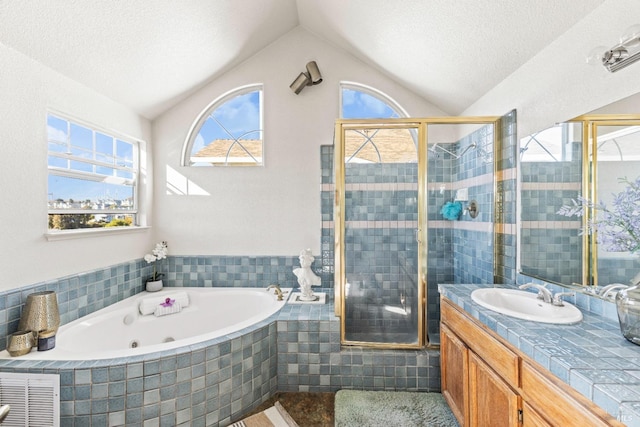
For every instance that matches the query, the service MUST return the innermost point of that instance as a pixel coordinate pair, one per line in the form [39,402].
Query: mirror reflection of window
[555,144]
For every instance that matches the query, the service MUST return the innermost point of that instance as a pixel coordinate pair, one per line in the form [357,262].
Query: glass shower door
[382,296]
[392,244]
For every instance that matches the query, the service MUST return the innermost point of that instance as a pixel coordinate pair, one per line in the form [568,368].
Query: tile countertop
[592,356]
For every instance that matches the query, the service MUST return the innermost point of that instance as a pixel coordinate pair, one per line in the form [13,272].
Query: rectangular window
[92,177]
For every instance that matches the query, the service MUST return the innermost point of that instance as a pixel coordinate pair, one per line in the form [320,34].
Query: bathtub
[120,330]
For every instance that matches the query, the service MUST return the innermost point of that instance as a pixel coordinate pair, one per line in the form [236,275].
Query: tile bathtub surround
[204,384]
[214,383]
[78,295]
[83,293]
[591,356]
[239,271]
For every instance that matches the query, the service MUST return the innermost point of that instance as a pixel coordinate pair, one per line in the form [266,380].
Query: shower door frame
[421,126]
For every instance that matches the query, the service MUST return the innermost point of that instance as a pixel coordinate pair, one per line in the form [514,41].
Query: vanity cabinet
[492,402]
[454,373]
[489,383]
[477,372]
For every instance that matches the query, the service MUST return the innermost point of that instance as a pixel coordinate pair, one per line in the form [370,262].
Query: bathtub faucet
[278,291]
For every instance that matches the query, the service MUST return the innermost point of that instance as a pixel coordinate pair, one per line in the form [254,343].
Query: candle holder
[20,343]
[40,314]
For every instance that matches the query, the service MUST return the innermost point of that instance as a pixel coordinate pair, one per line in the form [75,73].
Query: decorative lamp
[40,313]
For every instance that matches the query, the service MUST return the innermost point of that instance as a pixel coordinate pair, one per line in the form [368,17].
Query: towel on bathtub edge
[161,310]
[148,305]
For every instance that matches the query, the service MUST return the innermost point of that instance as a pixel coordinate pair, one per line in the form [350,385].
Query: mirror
[551,174]
[616,168]
[555,166]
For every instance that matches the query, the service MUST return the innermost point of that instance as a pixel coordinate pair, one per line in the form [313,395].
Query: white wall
[557,84]
[275,209]
[28,90]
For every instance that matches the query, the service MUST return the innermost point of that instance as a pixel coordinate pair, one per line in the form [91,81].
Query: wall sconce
[311,77]
[41,317]
[621,55]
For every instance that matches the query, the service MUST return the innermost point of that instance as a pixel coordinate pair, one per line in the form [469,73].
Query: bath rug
[275,416]
[392,408]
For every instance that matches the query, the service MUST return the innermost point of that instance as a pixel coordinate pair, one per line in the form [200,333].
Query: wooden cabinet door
[491,401]
[531,418]
[454,362]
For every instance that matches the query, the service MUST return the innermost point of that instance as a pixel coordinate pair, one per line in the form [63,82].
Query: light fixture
[621,55]
[311,77]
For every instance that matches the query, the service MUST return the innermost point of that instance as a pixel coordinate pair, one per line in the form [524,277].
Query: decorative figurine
[306,277]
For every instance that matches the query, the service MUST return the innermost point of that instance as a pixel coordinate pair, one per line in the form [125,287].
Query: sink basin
[525,305]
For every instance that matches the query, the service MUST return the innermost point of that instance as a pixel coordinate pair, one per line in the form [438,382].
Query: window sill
[92,232]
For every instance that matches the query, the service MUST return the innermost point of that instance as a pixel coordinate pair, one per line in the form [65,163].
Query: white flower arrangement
[158,253]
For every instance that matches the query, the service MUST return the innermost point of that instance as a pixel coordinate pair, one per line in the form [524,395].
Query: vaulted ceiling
[149,54]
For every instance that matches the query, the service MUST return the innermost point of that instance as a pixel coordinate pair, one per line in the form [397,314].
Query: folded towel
[148,305]
[164,309]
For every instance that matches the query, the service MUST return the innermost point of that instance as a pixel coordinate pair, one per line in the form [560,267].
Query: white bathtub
[120,330]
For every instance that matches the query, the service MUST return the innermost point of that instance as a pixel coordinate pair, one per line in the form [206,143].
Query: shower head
[467,148]
[434,151]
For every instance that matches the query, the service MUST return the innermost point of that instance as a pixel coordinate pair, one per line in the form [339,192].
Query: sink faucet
[543,293]
[278,291]
[611,289]
[557,298]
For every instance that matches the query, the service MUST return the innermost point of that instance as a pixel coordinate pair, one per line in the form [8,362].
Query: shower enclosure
[393,246]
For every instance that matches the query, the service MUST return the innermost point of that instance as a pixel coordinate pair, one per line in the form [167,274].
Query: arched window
[228,132]
[358,101]
[375,145]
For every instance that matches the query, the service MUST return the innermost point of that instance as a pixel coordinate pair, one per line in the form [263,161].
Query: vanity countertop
[592,356]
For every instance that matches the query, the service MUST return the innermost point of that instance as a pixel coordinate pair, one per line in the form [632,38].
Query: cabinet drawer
[553,401]
[503,360]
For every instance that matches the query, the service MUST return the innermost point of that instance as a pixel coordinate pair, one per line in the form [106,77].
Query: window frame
[378,94]
[203,116]
[133,182]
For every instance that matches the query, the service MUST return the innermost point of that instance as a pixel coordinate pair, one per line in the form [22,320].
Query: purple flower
[617,227]
[168,302]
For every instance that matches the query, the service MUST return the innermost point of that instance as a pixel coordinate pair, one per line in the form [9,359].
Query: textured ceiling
[148,54]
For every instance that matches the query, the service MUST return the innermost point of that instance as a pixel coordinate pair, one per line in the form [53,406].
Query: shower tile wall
[506,202]
[473,245]
[455,254]
[327,201]
[440,249]
[381,215]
